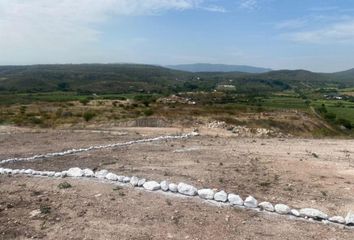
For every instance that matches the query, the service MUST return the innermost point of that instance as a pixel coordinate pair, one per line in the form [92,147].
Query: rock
[1,171]
[220,196]
[295,212]
[16,171]
[22,171]
[111,176]
[101,174]
[141,182]
[29,171]
[88,173]
[35,213]
[235,199]
[282,209]
[164,186]
[75,172]
[134,181]
[58,174]
[250,202]
[206,194]
[337,219]
[152,186]
[267,206]
[126,179]
[349,219]
[173,187]
[64,173]
[120,178]
[50,174]
[186,189]
[313,213]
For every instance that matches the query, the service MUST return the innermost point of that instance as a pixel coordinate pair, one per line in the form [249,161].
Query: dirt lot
[297,172]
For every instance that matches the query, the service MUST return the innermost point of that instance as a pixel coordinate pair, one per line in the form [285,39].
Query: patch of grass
[64,185]
[45,209]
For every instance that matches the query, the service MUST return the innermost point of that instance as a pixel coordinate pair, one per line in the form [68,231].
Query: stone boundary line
[209,195]
[72,151]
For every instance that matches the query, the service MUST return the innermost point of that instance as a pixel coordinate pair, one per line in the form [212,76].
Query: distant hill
[138,78]
[206,67]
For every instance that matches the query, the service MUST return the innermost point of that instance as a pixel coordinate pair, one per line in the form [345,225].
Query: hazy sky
[316,35]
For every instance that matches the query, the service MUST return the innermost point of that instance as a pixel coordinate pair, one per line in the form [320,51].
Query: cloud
[215,8]
[51,29]
[337,32]
[292,24]
[249,4]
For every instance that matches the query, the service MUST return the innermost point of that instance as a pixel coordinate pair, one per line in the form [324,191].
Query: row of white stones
[189,190]
[72,151]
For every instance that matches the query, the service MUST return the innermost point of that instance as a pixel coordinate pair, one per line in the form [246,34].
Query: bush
[344,122]
[88,116]
[85,101]
[148,112]
[64,185]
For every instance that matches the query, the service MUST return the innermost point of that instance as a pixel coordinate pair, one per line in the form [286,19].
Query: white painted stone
[152,186]
[64,174]
[267,206]
[141,182]
[28,171]
[186,189]
[75,172]
[50,174]
[58,174]
[111,176]
[1,171]
[126,179]
[173,187]
[250,202]
[282,209]
[295,212]
[101,174]
[206,194]
[22,171]
[164,186]
[337,219]
[16,171]
[349,219]
[88,172]
[120,178]
[235,199]
[220,196]
[313,213]
[134,181]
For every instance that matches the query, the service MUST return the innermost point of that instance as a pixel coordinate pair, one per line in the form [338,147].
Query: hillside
[132,78]
[206,67]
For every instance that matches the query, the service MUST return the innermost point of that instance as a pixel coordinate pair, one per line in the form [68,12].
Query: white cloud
[249,4]
[52,30]
[338,32]
[215,8]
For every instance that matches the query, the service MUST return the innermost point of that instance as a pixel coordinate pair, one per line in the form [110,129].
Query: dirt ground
[315,173]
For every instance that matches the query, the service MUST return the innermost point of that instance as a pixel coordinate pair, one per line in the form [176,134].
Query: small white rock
[250,202]
[134,181]
[141,182]
[75,172]
[295,212]
[282,209]
[120,178]
[28,171]
[126,179]
[16,171]
[173,187]
[111,176]
[349,219]
[220,196]
[101,174]
[58,174]
[164,186]
[267,206]
[186,189]
[206,194]
[88,173]
[337,219]
[313,213]
[235,199]
[152,186]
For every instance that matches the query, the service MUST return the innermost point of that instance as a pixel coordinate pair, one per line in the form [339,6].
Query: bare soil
[299,172]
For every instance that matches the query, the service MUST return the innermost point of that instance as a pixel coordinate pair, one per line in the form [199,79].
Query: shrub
[64,185]
[85,101]
[344,122]
[148,112]
[89,115]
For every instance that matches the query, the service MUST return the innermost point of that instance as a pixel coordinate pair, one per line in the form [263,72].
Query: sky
[316,35]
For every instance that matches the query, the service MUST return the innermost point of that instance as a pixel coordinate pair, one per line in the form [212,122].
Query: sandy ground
[297,172]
